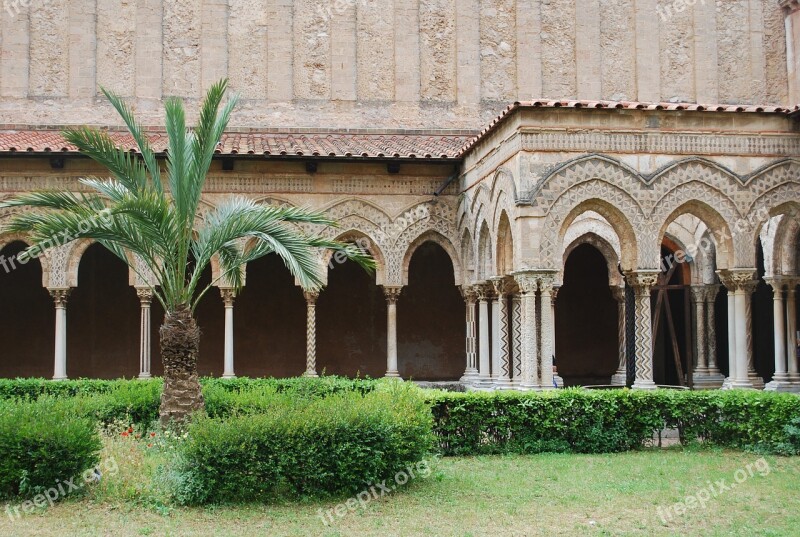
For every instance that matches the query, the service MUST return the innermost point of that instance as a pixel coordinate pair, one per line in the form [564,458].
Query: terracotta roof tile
[621,105]
[319,144]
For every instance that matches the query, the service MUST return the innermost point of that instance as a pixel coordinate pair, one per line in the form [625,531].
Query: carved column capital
[528,282]
[711,292]
[392,294]
[469,294]
[502,286]
[789,6]
[776,283]
[642,281]
[145,295]
[228,296]
[311,296]
[485,291]
[60,296]
[736,279]
[546,281]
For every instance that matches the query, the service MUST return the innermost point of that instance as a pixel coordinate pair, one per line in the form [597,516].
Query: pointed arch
[720,231]
[441,240]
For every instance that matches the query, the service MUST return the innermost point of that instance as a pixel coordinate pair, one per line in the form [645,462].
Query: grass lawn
[617,494]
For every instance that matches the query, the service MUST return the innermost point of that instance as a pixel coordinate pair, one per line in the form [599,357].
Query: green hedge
[309,448]
[32,388]
[583,421]
[43,442]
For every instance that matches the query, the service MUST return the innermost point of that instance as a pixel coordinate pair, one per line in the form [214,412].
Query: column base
[469,376]
[781,385]
[145,376]
[229,375]
[558,380]
[503,384]
[644,385]
[741,384]
[60,378]
[620,378]
[708,380]
[393,375]
[310,374]
[755,380]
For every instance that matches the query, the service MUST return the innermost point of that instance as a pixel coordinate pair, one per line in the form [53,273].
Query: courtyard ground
[619,494]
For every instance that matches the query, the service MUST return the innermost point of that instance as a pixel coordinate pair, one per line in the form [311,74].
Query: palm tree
[134,213]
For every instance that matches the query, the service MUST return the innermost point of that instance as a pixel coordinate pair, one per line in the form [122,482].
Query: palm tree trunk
[180,344]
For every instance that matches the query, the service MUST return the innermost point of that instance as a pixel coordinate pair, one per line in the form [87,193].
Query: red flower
[124,433]
[149,445]
[130,429]
[152,435]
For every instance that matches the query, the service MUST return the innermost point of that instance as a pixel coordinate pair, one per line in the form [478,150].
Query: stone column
[501,366]
[546,335]
[228,295]
[471,371]
[780,380]
[60,297]
[791,12]
[484,350]
[620,377]
[727,280]
[643,282]
[516,337]
[556,377]
[791,332]
[311,333]
[145,295]
[742,283]
[529,360]
[707,375]
[749,289]
[392,294]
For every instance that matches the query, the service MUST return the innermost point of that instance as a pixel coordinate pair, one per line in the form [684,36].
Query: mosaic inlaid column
[516,338]
[471,370]
[780,380]
[501,365]
[556,377]
[529,373]
[706,374]
[311,333]
[485,292]
[642,283]
[546,333]
[228,296]
[620,377]
[145,295]
[60,297]
[392,294]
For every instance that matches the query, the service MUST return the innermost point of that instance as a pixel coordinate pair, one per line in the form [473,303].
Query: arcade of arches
[611,252]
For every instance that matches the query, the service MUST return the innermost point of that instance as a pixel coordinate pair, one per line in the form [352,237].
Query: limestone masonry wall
[383,63]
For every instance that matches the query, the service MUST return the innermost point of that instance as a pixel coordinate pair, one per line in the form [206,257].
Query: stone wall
[383,63]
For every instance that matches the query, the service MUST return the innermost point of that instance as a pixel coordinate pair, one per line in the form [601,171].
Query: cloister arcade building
[618,233]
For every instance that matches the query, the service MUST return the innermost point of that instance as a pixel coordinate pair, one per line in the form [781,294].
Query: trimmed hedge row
[322,447]
[32,388]
[582,421]
[41,443]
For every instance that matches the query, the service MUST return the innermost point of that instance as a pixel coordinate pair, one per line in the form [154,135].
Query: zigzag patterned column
[516,337]
[501,364]
[311,333]
[642,283]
